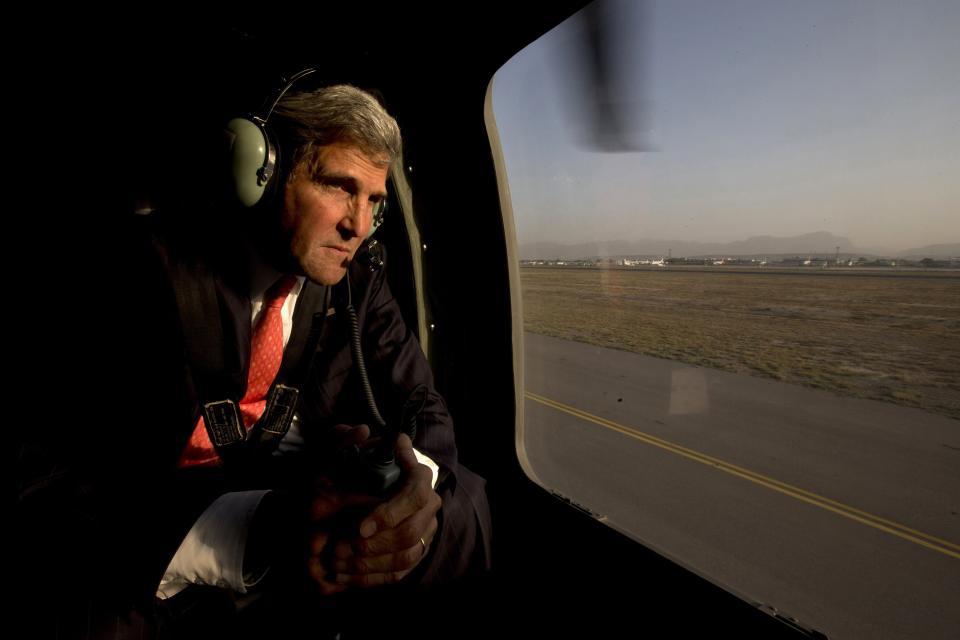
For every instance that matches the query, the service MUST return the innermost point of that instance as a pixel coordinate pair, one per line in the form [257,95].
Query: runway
[843,513]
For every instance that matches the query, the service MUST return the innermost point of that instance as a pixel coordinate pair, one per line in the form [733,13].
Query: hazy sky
[768,118]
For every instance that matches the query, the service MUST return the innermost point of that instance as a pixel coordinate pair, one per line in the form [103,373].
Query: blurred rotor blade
[609,89]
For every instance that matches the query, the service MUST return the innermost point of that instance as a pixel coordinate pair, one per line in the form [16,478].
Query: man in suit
[173,518]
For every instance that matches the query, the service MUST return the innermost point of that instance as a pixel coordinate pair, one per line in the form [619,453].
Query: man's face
[328,214]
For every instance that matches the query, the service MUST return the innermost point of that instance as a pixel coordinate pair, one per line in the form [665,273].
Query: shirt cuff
[212,552]
[434,468]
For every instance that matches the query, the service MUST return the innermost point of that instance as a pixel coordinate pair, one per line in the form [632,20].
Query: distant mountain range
[932,251]
[818,243]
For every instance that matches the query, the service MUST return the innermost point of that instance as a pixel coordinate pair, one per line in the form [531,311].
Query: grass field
[892,337]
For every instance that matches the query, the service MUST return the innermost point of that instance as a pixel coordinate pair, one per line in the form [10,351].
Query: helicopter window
[736,247]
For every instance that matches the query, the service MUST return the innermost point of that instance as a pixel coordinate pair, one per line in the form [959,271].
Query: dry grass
[895,339]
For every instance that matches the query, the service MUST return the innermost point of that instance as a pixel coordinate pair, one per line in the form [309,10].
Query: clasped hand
[360,540]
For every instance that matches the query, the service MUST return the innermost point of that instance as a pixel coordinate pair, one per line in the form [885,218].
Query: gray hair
[308,120]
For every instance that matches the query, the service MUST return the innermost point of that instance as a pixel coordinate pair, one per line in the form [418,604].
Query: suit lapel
[235,313]
[311,309]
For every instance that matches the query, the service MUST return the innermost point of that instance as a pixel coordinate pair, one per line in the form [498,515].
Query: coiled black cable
[415,402]
[357,350]
[412,409]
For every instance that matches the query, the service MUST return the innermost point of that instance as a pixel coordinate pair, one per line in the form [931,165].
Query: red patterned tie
[266,352]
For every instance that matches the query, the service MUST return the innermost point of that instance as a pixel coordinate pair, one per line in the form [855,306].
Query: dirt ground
[891,336]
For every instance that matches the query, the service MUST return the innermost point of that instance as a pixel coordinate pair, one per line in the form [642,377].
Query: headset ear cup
[252,160]
[255,169]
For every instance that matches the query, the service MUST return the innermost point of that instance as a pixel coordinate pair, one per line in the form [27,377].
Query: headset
[254,152]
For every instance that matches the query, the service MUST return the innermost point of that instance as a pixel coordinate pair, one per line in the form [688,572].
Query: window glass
[737,228]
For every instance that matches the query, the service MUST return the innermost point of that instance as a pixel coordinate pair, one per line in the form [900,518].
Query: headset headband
[271,103]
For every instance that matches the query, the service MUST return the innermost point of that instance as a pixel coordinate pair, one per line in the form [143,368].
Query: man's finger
[367,580]
[388,569]
[402,560]
[421,524]
[415,494]
[398,558]
[328,503]
[381,570]
[406,459]
[318,571]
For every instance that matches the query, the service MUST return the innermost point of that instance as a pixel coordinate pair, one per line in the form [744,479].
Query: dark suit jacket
[114,484]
